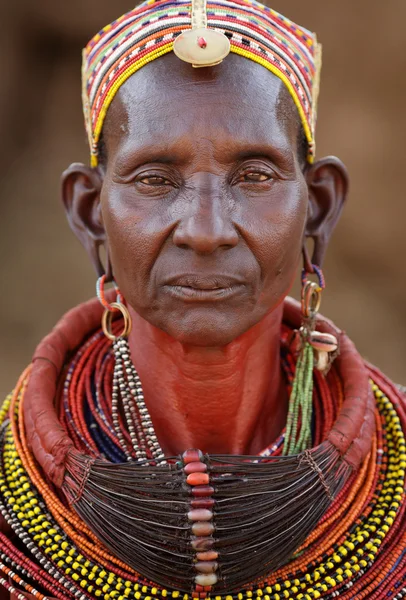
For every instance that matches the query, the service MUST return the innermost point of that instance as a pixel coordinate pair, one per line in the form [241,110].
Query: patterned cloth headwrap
[149,31]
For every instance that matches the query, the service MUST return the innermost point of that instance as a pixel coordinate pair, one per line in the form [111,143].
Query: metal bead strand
[136,392]
[126,403]
[127,387]
[115,395]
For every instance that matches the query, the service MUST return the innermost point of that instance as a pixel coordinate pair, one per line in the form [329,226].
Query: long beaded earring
[127,388]
[316,350]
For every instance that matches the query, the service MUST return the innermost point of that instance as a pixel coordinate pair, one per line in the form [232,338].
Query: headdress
[202,34]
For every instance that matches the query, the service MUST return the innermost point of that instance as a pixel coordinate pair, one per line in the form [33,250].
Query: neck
[228,400]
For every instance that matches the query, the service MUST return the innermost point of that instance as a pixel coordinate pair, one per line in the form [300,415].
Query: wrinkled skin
[203,204]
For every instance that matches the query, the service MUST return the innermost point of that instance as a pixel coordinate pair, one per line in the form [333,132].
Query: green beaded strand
[300,404]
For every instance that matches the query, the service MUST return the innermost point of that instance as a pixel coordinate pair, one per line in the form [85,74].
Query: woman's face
[203,200]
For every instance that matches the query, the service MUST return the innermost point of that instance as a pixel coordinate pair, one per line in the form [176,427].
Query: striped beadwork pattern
[255,31]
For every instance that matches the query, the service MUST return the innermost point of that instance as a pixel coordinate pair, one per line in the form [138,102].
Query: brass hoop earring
[107,320]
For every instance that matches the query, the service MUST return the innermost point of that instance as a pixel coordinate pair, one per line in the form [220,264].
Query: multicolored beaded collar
[356,550]
[151,30]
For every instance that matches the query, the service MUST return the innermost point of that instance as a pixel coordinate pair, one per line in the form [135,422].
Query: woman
[213,438]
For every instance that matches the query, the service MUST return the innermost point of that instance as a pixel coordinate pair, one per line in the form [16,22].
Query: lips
[211,287]
[203,282]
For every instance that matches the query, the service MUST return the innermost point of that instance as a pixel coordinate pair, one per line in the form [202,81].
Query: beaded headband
[201,34]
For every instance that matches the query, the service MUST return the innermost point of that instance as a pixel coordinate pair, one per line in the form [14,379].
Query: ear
[327,181]
[81,187]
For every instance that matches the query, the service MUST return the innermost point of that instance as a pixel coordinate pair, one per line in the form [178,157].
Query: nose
[207,225]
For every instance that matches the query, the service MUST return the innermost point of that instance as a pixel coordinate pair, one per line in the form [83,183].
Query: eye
[153,180]
[257,172]
[255,177]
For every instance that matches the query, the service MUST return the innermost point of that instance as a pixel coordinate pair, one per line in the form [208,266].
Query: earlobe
[327,181]
[81,187]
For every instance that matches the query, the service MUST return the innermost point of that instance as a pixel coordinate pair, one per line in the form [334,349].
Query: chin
[206,328]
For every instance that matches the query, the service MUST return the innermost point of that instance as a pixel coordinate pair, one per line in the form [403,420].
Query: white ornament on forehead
[201,46]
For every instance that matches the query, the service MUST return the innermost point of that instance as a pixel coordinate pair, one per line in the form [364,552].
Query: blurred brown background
[361,119]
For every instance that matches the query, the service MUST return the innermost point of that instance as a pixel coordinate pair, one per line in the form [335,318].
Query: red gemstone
[195,467]
[202,491]
[202,42]
[192,455]
[202,503]
[197,479]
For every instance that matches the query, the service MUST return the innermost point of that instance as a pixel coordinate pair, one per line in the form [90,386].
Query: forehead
[167,101]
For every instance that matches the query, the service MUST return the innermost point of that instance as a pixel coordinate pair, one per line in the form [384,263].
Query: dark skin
[203,205]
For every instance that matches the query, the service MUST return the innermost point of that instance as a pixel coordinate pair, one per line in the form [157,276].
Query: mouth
[193,288]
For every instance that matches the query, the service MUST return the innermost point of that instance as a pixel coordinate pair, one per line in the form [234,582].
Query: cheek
[135,233]
[276,237]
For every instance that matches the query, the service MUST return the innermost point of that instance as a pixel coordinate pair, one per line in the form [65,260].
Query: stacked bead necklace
[357,549]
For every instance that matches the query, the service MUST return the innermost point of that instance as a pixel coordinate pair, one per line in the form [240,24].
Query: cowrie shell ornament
[323,342]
